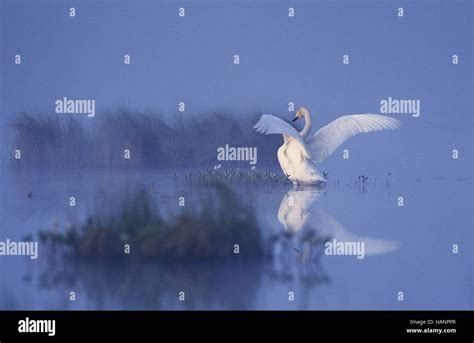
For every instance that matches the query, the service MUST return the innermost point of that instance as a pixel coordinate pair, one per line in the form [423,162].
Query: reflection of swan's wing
[295,209]
[328,226]
[374,246]
[328,138]
[269,124]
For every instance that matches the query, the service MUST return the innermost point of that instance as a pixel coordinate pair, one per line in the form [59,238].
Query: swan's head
[302,112]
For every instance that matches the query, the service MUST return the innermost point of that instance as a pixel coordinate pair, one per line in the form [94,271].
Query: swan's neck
[307,125]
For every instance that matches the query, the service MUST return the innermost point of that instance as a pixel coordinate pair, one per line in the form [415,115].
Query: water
[407,248]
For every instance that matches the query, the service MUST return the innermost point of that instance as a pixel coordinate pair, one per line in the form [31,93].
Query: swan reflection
[308,233]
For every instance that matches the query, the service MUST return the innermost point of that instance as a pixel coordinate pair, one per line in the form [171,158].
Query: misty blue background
[282,59]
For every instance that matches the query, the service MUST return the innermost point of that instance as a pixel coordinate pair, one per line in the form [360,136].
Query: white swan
[300,150]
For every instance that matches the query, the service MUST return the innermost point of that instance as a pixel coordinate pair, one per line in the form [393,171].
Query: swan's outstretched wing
[269,124]
[328,138]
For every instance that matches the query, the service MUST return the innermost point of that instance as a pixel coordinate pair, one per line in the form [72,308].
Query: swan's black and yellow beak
[297,116]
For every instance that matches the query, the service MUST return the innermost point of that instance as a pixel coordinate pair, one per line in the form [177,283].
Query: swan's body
[301,151]
[297,168]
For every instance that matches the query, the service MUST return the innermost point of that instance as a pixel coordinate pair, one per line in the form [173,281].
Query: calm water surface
[407,248]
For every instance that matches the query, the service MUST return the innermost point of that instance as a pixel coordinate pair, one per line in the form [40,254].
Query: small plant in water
[210,231]
[233,176]
[362,182]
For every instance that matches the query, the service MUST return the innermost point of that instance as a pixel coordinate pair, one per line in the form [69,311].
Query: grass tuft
[208,231]
[185,140]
